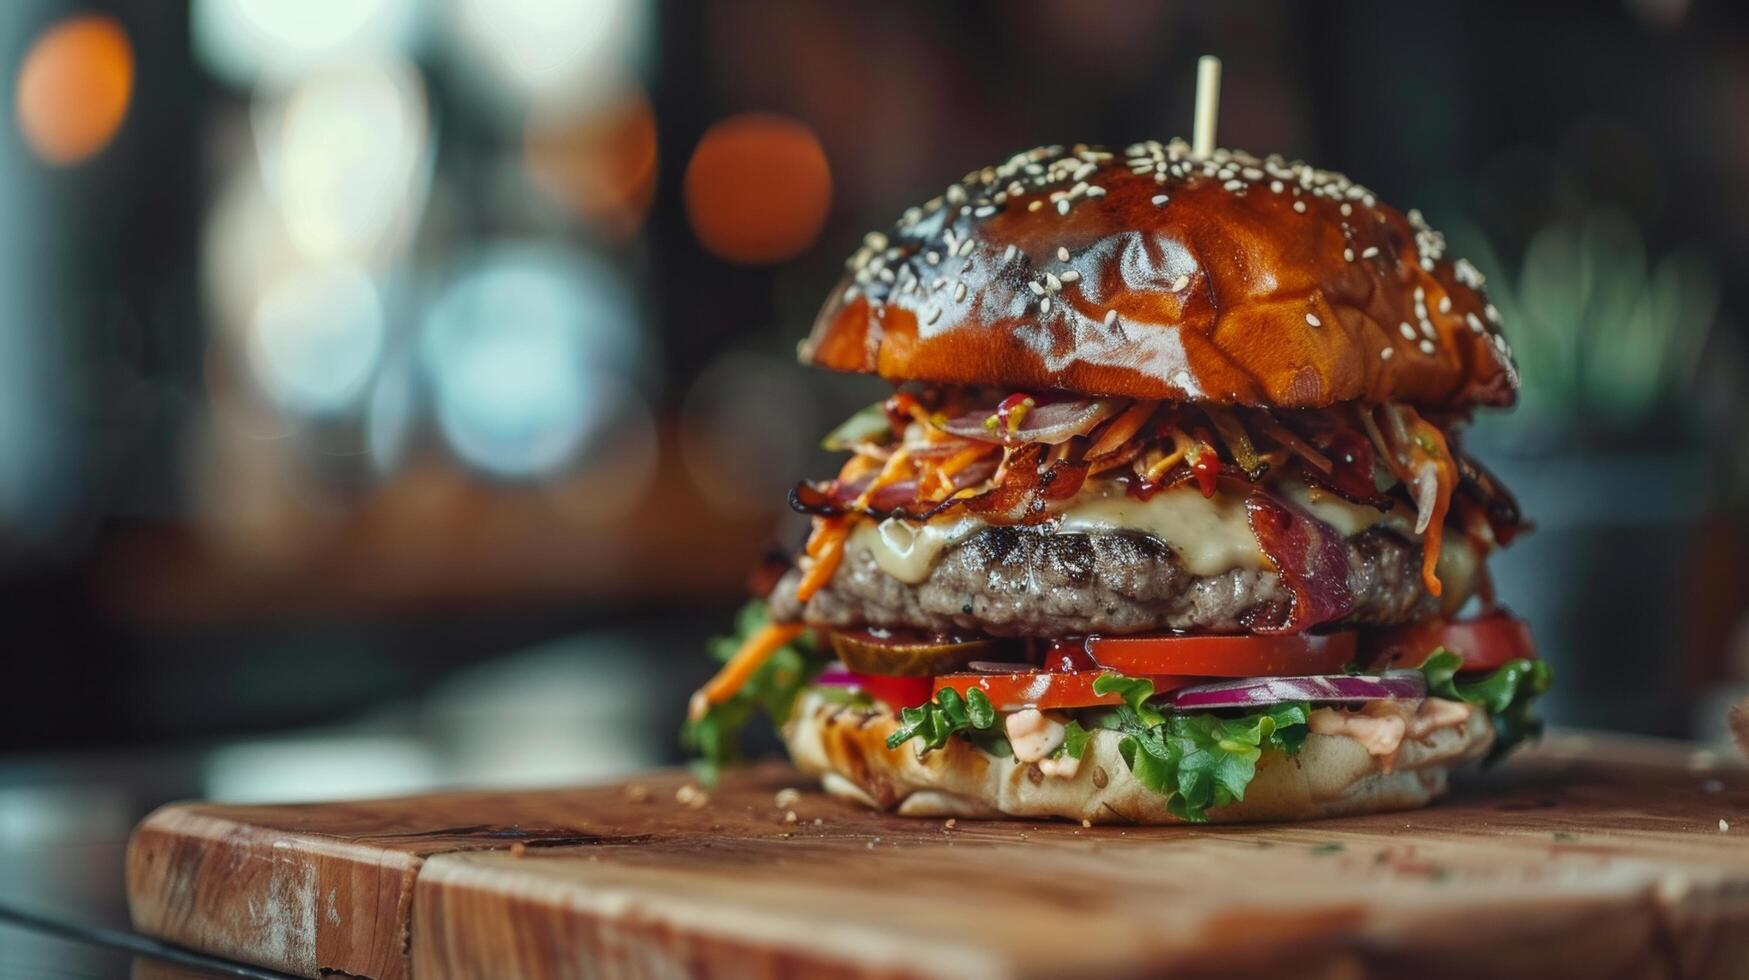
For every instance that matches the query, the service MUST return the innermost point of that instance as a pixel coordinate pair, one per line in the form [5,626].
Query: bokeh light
[600,161]
[316,338]
[758,189]
[568,47]
[516,350]
[74,87]
[346,156]
[272,41]
[744,432]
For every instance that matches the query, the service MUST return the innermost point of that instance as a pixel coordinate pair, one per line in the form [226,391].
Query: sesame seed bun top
[1150,274]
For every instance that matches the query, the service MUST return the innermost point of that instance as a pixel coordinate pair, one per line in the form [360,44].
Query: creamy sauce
[1381,727]
[1210,536]
[1034,734]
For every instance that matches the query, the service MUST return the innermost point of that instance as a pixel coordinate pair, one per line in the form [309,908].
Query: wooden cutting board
[1586,856]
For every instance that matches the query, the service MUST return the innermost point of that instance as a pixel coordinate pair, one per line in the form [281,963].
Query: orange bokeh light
[602,162]
[74,87]
[757,188]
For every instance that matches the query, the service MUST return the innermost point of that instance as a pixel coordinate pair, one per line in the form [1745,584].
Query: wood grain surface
[1584,857]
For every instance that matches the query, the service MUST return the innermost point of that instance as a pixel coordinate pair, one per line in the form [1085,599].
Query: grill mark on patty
[1013,581]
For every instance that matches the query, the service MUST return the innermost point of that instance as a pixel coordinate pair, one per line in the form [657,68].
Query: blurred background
[395,393]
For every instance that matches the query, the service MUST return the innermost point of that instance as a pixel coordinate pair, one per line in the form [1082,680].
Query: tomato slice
[1045,689]
[1224,656]
[897,692]
[1485,642]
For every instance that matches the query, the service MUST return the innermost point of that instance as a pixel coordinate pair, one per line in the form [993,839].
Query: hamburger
[1168,517]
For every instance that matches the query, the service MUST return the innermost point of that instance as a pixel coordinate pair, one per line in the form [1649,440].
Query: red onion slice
[837,675]
[1256,692]
[1051,423]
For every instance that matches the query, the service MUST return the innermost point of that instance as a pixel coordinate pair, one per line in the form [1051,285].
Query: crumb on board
[818,821]
[950,824]
[1724,825]
[637,793]
[518,849]
[1086,823]
[787,797]
[789,816]
[692,796]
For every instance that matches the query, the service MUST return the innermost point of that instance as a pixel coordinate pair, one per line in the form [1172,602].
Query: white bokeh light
[270,42]
[518,350]
[316,338]
[531,47]
[346,156]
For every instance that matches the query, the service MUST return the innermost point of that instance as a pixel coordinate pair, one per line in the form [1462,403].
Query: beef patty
[1028,581]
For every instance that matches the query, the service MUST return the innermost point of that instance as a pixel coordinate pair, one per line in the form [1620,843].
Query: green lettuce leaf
[947,715]
[1196,760]
[1506,694]
[868,425]
[1074,740]
[772,691]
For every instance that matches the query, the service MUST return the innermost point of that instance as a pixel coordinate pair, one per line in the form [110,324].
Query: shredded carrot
[825,549]
[943,475]
[753,654]
[894,470]
[1181,445]
[1429,443]
[1121,429]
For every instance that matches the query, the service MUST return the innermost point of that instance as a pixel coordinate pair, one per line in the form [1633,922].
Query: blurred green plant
[1606,339]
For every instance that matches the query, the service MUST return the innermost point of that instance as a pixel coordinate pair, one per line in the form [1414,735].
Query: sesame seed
[1071,276]
[1492,313]
[1407,331]
[1275,186]
[1445,304]
[1110,317]
[1387,354]
[1159,199]
[985,211]
[1348,253]
[1052,283]
[1234,185]
[1095,190]
[1474,321]
[1312,319]
[1347,209]
[1427,347]
[1044,305]
[1009,254]
[1034,206]
[1179,283]
[1300,206]
[1369,252]
[1063,206]
[965,247]
[1062,254]
[959,293]
[934,315]
[1037,289]
[932,257]
[1427,327]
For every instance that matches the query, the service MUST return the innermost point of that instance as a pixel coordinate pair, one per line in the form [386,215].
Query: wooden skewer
[1208,105]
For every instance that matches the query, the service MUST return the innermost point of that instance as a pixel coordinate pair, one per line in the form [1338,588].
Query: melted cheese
[1210,536]
[907,550]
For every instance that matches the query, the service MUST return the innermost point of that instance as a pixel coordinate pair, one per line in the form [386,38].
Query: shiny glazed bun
[1151,275]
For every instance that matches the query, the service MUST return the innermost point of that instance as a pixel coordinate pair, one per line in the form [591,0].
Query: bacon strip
[1310,558]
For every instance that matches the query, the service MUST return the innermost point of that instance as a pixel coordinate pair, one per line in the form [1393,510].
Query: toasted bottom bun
[1331,775]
